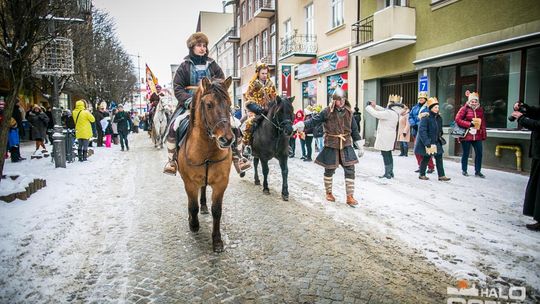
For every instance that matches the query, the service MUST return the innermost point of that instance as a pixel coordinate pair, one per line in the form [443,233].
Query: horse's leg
[193,207]
[256,171]
[265,170]
[217,200]
[284,177]
[202,200]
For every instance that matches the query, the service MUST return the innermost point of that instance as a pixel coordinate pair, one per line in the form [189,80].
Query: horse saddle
[182,130]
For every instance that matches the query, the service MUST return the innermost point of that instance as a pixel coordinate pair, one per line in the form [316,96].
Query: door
[466,80]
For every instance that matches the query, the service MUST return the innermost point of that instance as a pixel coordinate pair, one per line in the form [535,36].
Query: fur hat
[431,102]
[422,94]
[472,96]
[198,37]
[339,93]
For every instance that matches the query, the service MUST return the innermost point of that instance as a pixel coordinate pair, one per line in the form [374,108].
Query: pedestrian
[124,123]
[106,126]
[298,133]
[386,130]
[404,134]
[191,71]
[430,140]
[114,126]
[39,121]
[531,121]
[340,131]
[471,117]
[100,114]
[14,141]
[83,120]
[307,142]
[136,122]
[414,120]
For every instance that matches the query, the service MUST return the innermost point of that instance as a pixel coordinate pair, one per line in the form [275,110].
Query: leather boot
[330,197]
[351,201]
[387,173]
[80,154]
[85,155]
[171,166]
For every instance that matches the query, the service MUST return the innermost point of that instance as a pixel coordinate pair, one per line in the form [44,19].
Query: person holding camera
[471,116]
[529,117]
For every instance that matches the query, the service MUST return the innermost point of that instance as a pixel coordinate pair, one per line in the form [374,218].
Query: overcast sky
[156,29]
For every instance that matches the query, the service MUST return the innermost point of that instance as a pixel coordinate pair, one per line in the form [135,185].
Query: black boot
[80,154]
[387,173]
[85,155]
[391,169]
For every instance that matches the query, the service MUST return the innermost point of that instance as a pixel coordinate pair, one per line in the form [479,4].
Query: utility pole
[138,79]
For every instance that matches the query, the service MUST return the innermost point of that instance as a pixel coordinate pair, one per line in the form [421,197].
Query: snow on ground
[469,227]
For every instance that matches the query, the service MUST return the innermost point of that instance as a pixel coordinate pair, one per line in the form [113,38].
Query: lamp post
[138,78]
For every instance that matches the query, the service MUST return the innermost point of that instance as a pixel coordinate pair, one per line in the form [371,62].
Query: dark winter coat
[531,206]
[185,77]
[123,121]
[429,133]
[340,130]
[39,123]
[464,119]
[414,120]
[532,122]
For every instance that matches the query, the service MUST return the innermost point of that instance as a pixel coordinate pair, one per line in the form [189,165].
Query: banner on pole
[151,81]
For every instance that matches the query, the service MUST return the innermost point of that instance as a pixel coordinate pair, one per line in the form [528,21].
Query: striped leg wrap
[349,186]
[328,184]
[171,150]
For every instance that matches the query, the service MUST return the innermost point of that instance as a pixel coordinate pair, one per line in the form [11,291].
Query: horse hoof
[218,246]
[258,183]
[204,209]
[266,191]
[285,197]
[194,227]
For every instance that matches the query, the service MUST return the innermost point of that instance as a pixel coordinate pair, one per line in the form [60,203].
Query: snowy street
[115,229]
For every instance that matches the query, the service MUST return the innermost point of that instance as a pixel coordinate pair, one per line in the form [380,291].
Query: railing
[269,59]
[362,31]
[232,32]
[298,44]
[269,4]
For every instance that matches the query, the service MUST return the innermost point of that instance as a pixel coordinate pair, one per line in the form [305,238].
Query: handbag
[442,141]
[457,131]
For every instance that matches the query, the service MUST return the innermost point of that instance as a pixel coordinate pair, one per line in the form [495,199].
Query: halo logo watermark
[466,293]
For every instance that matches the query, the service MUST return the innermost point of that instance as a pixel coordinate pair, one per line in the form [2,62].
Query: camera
[368,103]
[522,108]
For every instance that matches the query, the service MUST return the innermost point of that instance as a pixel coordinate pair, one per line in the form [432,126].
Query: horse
[271,140]
[205,156]
[159,125]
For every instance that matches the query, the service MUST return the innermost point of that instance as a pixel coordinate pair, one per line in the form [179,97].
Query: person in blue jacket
[414,119]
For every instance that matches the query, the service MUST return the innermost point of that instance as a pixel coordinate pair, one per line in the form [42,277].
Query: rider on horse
[195,67]
[154,100]
[261,91]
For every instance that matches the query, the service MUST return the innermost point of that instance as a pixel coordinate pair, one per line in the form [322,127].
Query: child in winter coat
[14,142]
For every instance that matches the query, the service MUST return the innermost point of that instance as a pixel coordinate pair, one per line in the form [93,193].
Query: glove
[430,150]
[255,108]
[360,146]
[404,134]
[299,126]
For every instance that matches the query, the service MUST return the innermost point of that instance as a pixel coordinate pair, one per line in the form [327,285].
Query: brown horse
[204,157]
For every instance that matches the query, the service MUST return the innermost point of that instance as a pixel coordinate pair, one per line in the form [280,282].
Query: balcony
[391,28]
[298,48]
[233,36]
[269,59]
[264,9]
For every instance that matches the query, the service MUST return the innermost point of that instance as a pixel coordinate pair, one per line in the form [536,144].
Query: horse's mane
[216,88]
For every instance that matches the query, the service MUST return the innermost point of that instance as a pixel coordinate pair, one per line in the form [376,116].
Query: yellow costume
[259,93]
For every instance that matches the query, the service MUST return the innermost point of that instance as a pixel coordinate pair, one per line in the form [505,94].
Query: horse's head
[283,115]
[211,109]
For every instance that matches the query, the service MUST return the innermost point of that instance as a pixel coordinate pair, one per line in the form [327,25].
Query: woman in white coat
[386,130]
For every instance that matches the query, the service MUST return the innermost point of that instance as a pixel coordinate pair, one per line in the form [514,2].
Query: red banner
[286,81]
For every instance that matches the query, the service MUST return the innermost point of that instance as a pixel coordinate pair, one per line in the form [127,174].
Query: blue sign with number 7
[423,84]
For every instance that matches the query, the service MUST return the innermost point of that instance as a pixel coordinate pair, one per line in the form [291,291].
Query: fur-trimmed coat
[340,131]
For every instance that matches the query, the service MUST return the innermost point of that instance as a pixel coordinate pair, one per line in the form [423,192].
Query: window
[337,13]
[309,93]
[238,19]
[446,92]
[532,77]
[309,19]
[250,51]
[388,3]
[265,43]
[244,55]
[257,49]
[273,28]
[244,12]
[250,9]
[288,28]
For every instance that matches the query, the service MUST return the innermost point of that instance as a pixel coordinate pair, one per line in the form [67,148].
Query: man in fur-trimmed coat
[340,131]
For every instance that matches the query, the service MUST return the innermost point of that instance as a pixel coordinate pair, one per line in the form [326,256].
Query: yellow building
[448,47]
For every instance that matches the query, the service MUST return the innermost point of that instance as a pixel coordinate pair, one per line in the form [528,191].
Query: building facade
[448,47]
[314,49]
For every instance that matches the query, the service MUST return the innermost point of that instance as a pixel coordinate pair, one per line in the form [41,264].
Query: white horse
[160,122]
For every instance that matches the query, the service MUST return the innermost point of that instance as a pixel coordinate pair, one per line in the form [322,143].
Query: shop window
[532,77]
[335,81]
[309,93]
[500,76]
[446,88]
[468,70]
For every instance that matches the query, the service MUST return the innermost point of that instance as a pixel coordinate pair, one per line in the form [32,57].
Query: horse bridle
[210,130]
[280,125]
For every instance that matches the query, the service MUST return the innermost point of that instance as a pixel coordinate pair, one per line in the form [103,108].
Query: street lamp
[138,79]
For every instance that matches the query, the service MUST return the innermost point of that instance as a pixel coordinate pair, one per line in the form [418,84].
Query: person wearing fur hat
[340,131]
[429,141]
[261,91]
[417,111]
[471,117]
[386,130]
[13,142]
[195,67]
